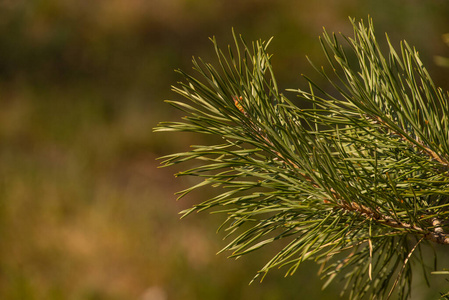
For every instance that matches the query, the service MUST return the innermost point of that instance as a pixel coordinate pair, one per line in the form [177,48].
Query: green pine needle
[358,183]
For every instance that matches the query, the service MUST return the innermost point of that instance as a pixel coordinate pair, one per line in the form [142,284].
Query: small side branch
[442,160]
[437,235]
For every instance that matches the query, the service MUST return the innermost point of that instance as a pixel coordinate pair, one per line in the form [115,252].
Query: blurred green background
[84,211]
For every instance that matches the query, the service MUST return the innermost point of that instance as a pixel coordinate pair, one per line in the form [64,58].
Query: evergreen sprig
[357,182]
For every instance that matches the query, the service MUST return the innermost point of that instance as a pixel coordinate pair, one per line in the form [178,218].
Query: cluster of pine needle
[358,181]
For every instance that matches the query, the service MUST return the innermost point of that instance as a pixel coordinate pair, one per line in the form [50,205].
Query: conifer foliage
[356,180]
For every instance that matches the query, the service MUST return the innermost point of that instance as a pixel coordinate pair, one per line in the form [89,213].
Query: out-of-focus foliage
[84,212]
[440,60]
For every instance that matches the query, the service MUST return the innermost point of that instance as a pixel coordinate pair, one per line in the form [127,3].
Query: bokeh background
[84,211]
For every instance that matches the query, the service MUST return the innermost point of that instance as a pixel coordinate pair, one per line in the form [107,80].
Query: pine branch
[362,174]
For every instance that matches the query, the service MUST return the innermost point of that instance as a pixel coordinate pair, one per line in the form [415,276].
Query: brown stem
[437,235]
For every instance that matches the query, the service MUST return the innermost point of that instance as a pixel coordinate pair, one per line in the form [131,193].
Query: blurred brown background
[84,211]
